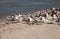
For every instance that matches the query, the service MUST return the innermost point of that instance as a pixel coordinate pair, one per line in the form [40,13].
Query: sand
[25,31]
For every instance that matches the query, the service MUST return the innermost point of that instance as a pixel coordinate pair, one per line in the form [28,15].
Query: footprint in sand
[0,37]
[4,30]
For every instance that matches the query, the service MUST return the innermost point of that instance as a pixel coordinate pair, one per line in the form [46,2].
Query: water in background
[9,7]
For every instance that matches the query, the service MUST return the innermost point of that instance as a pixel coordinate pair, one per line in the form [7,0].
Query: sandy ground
[24,31]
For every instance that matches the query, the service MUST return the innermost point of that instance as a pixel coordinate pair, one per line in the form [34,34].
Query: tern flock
[42,16]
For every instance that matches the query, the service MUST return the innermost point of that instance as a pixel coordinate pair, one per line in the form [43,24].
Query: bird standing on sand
[46,21]
[10,18]
[21,19]
[49,17]
[31,21]
[16,17]
[54,18]
[58,19]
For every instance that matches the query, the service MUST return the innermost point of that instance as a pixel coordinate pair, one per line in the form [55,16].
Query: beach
[37,25]
[43,16]
[25,31]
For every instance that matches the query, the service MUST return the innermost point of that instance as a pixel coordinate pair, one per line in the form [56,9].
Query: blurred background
[8,7]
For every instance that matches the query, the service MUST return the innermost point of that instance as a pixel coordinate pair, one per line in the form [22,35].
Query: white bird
[53,8]
[16,17]
[38,19]
[49,17]
[46,20]
[19,15]
[9,18]
[54,17]
[58,19]
[21,19]
[31,20]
